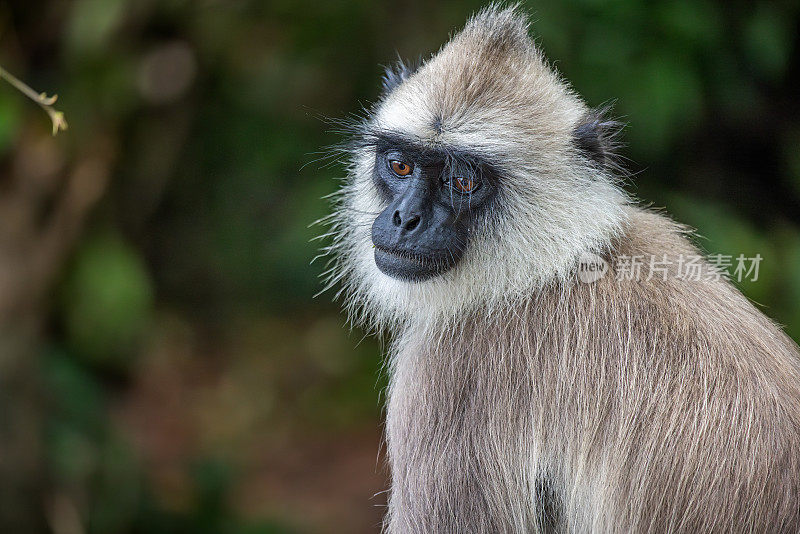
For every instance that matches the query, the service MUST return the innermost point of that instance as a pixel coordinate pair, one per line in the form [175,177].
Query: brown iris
[464,185]
[400,168]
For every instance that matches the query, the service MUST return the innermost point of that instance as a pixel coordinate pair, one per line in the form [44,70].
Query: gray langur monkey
[522,397]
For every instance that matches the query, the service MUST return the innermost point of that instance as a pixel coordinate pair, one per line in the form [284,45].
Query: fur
[523,400]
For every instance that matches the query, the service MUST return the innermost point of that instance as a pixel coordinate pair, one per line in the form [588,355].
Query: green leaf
[108,300]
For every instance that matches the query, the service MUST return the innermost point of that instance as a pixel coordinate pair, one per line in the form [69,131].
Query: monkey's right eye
[400,168]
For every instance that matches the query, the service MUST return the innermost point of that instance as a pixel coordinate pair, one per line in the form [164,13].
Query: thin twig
[44,101]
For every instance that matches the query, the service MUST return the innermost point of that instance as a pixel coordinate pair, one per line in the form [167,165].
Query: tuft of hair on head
[497,27]
[501,25]
[597,137]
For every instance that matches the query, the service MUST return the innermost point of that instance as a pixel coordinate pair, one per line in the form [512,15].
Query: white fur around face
[494,95]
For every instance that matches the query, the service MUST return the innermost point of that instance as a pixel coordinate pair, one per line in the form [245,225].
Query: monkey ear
[394,75]
[596,136]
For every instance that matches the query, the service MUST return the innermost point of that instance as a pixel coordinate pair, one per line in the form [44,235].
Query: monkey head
[478,176]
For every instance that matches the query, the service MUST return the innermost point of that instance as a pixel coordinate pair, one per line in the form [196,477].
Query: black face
[433,199]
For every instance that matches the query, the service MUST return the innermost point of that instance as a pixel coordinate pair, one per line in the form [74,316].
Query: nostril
[412,223]
[396,219]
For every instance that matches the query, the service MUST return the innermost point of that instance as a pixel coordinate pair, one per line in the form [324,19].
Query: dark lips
[407,256]
[407,266]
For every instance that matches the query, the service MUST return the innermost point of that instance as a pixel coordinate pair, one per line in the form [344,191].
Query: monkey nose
[407,222]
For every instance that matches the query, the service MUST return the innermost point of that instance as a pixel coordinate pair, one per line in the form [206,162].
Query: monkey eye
[463,184]
[400,168]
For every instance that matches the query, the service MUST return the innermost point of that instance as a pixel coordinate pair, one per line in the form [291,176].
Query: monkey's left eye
[464,184]
[400,168]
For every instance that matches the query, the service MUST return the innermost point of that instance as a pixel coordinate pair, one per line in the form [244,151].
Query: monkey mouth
[404,255]
[409,266]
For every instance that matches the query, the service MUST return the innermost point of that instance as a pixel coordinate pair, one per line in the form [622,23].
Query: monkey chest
[462,451]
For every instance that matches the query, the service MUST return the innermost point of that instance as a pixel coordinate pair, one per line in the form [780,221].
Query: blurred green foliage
[107,301]
[186,362]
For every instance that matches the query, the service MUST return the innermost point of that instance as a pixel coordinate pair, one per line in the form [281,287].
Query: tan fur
[661,406]
[524,400]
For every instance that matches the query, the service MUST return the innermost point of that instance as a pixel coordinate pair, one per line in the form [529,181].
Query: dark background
[163,365]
